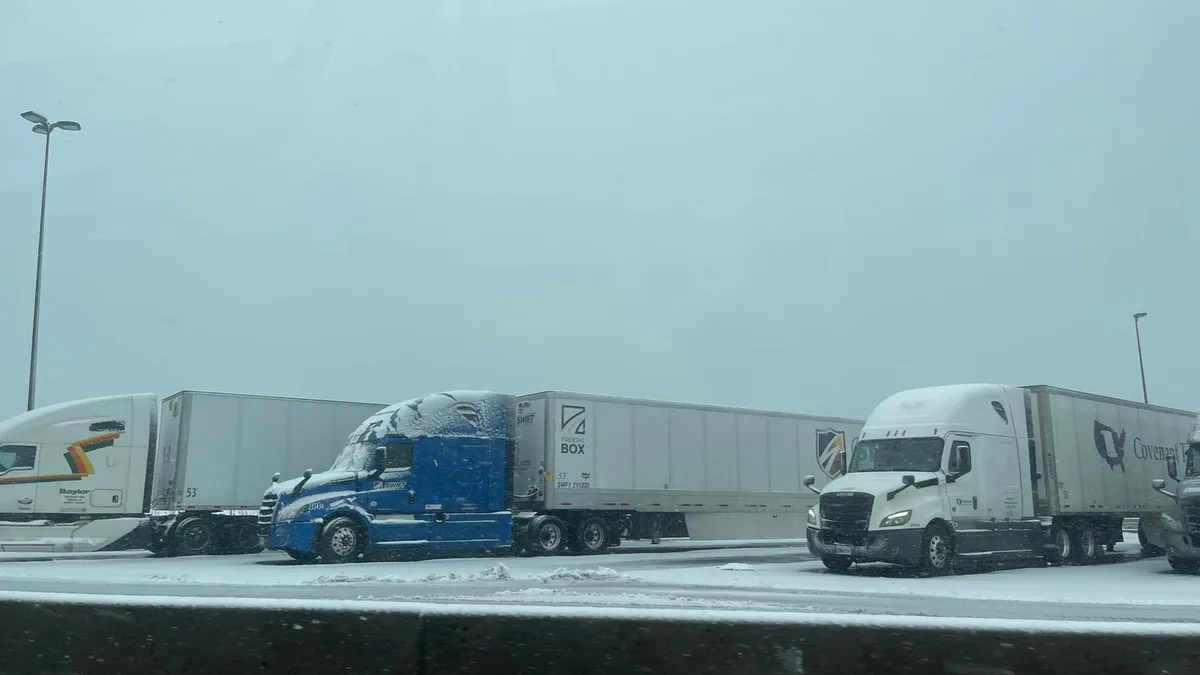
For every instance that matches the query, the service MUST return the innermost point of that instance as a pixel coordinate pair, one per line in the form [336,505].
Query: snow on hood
[460,413]
[317,480]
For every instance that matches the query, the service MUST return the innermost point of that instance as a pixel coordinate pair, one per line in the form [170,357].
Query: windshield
[353,457]
[897,454]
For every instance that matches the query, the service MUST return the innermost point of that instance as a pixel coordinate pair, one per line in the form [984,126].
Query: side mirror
[275,478]
[808,483]
[380,458]
[307,474]
[1172,467]
[908,479]
[1160,486]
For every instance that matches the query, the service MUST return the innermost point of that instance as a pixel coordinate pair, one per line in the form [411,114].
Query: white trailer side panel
[1105,452]
[612,453]
[229,445]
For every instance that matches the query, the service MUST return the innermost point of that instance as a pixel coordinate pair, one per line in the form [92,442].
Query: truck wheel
[592,536]
[341,541]
[1063,546]
[1148,549]
[1086,546]
[547,534]
[1184,565]
[937,551]
[836,563]
[195,536]
[302,556]
[244,539]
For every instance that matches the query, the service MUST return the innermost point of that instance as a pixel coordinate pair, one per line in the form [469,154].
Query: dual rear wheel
[1081,544]
[550,535]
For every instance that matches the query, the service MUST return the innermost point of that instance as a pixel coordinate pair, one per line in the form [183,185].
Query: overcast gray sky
[781,204]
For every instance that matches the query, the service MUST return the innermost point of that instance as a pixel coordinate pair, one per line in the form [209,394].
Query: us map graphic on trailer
[77,461]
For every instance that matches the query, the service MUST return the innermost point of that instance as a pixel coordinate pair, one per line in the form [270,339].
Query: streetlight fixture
[45,127]
[1141,366]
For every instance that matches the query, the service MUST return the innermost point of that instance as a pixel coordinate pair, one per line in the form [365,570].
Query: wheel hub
[549,537]
[343,541]
[937,551]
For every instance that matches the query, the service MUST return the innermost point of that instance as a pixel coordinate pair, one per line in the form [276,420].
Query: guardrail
[84,634]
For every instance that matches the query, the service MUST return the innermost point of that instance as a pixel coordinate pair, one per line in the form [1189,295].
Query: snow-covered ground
[743,579]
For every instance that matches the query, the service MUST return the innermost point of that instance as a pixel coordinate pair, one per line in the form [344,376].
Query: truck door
[964,493]
[397,496]
[18,471]
[462,487]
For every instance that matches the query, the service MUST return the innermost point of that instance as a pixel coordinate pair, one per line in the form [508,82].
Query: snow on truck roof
[462,413]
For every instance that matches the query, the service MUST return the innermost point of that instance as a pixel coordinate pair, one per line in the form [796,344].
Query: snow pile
[738,567]
[561,596]
[564,574]
[497,572]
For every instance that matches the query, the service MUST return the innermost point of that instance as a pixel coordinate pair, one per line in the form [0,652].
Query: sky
[791,205]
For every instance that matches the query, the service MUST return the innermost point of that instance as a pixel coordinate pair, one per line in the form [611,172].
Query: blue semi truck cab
[428,473]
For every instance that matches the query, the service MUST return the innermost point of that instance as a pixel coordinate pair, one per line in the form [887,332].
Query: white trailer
[993,472]
[217,453]
[733,473]
[84,475]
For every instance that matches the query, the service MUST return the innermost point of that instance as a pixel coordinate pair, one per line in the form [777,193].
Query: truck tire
[835,563]
[195,536]
[1086,545]
[342,540]
[302,556]
[243,538]
[1062,545]
[1149,550]
[592,536]
[937,551]
[547,535]
[1184,565]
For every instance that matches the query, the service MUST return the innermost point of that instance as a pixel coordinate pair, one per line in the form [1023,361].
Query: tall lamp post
[1141,366]
[45,127]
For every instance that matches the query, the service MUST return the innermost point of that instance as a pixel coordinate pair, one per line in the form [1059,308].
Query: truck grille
[1191,517]
[845,517]
[266,514]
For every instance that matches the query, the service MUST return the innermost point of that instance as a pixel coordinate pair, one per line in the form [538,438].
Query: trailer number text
[190,492]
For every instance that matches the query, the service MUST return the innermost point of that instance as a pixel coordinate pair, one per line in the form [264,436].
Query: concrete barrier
[80,636]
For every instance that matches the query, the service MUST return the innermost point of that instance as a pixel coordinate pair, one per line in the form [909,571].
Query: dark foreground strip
[114,639]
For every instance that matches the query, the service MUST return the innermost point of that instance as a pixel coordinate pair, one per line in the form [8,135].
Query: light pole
[1141,366]
[45,127]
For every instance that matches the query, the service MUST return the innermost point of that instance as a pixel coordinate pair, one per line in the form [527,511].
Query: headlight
[812,518]
[1170,524]
[898,518]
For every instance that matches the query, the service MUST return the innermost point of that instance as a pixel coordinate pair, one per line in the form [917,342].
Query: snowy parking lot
[778,578]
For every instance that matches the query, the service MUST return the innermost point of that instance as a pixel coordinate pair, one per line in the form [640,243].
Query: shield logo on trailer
[831,451]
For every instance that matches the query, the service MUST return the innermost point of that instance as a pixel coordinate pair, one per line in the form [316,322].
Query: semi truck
[1181,519]
[549,472]
[991,472]
[183,477]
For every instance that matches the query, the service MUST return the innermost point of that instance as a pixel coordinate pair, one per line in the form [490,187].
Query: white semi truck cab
[1181,520]
[75,476]
[993,472]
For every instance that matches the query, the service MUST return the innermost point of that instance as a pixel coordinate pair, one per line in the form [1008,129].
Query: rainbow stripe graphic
[77,460]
